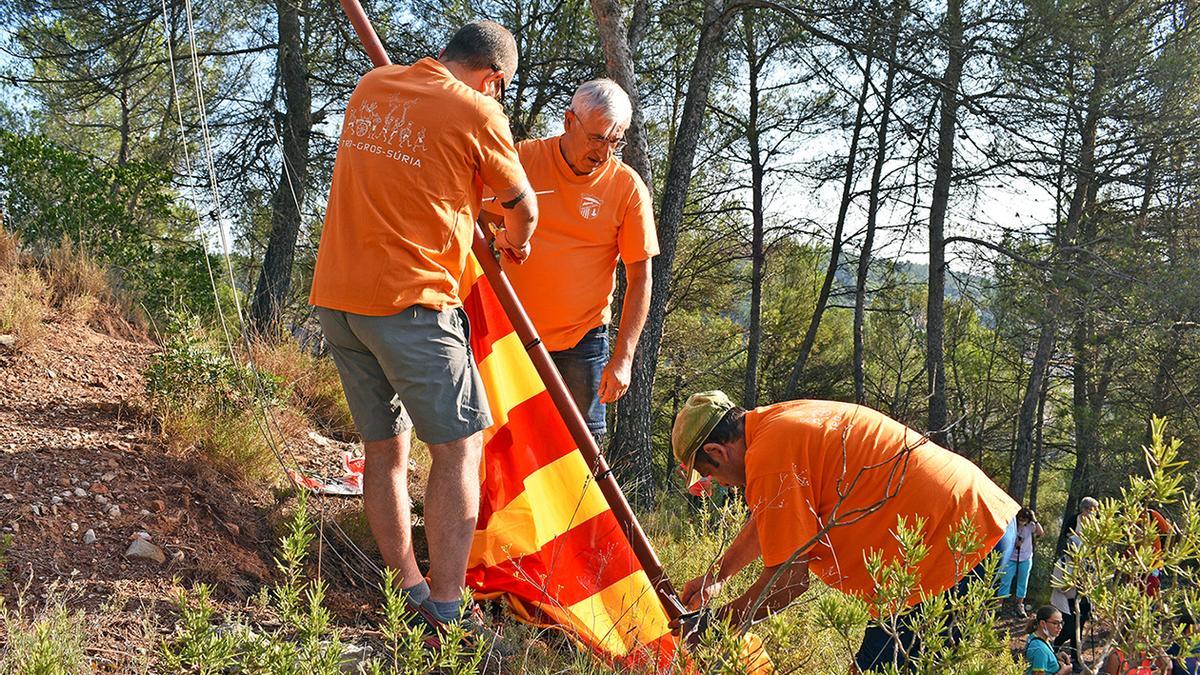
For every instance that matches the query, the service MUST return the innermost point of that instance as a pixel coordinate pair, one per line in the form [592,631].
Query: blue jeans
[1018,569]
[879,647]
[580,367]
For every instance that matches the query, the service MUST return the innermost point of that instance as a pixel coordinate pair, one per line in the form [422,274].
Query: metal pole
[548,372]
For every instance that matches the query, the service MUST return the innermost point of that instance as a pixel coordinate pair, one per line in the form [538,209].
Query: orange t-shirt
[584,225]
[416,148]
[795,468]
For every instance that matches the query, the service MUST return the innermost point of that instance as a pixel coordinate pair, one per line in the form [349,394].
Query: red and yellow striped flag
[546,538]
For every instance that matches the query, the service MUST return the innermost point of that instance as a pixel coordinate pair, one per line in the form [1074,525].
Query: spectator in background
[1044,628]
[1189,665]
[1161,528]
[1086,506]
[1075,608]
[1018,564]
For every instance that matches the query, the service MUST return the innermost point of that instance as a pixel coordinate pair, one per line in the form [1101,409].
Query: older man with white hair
[595,211]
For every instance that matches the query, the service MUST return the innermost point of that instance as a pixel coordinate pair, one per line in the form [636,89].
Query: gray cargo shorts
[408,370]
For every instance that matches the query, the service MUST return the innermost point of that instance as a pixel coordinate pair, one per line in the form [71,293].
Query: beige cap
[695,421]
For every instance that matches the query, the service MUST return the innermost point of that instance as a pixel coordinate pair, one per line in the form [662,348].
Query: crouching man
[825,483]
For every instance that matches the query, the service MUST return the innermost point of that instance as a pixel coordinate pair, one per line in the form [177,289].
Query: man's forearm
[635,307]
[520,212]
[768,594]
[521,220]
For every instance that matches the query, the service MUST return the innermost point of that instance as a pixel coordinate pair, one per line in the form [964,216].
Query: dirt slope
[79,455]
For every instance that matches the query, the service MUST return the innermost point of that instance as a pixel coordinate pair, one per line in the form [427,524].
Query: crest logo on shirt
[589,207]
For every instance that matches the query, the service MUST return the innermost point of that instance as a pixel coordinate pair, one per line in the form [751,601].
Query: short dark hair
[731,427]
[483,44]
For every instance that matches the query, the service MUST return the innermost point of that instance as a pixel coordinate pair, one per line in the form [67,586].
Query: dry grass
[24,295]
[10,250]
[82,291]
[66,282]
[312,384]
[231,442]
[79,285]
[24,305]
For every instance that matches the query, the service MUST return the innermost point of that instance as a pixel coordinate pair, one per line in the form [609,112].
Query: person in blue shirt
[1185,664]
[1045,626]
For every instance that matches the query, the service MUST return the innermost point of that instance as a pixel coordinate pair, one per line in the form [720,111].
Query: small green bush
[306,641]
[52,642]
[204,399]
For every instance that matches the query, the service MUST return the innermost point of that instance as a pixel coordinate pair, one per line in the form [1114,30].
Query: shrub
[24,304]
[1121,546]
[312,384]
[204,399]
[51,642]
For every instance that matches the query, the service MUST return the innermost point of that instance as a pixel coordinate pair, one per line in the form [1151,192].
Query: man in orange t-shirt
[418,145]
[593,211]
[825,483]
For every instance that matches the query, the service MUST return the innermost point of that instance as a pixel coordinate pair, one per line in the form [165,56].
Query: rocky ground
[96,511]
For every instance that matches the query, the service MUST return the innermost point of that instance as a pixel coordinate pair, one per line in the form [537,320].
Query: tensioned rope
[264,418]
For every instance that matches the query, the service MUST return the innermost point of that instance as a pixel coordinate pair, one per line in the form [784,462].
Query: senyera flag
[546,538]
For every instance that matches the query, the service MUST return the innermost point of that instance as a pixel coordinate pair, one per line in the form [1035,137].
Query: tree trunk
[618,59]
[274,281]
[758,258]
[1085,412]
[835,251]
[1037,448]
[630,453]
[1018,479]
[934,349]
[864,258]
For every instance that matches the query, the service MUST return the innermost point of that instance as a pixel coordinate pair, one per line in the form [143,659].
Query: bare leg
[451,509]
[387,505]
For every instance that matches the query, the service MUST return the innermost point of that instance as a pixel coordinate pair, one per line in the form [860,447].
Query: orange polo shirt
[801,454]
[584,225]
[416,148]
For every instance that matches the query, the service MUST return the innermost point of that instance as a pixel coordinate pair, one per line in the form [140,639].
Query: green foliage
[1120,545]
[126,216]
[980,649]
[306,640]
[795,273]
[202,397]
[50,643]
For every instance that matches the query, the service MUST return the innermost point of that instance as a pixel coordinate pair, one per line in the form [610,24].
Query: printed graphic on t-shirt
[391,134]
[589,206]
